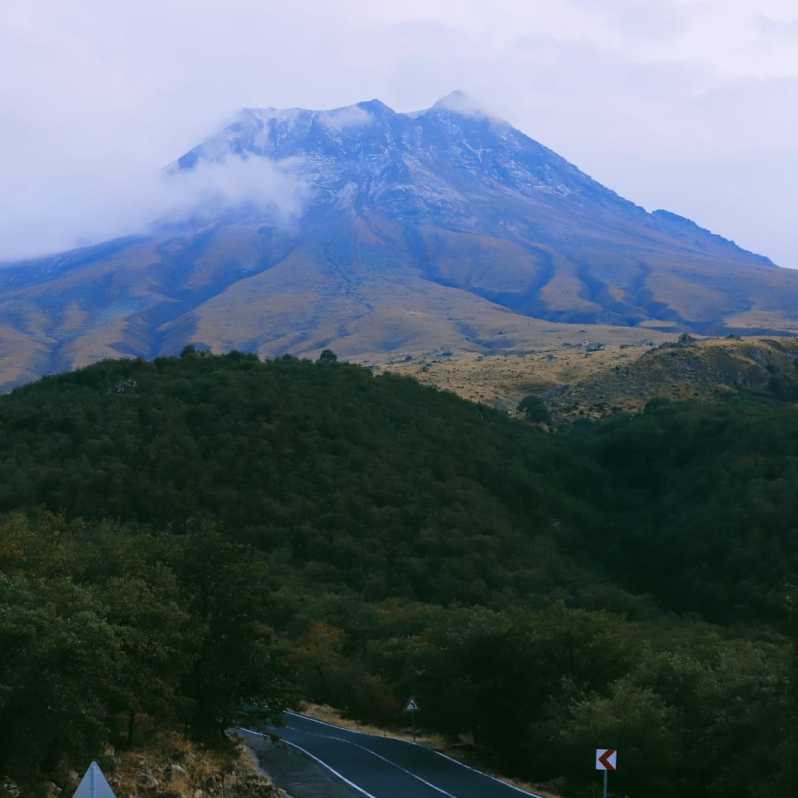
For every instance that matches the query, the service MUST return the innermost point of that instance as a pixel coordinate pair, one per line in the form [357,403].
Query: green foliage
[535,409]
[376,484]
[328,356]
[238,671]
[58,672]
[704,505]
[100,625]
[372,539]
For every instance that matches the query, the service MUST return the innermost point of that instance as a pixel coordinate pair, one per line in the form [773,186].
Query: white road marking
[418,745]
[393,764]
[317,760]
[486,775]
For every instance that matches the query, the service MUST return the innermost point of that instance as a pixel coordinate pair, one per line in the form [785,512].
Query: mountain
[386,233]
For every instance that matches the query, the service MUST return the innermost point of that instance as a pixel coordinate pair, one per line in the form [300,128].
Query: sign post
[412,708]
[606,760]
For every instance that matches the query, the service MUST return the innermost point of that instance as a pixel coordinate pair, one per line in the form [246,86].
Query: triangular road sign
[412,706]
[94,785]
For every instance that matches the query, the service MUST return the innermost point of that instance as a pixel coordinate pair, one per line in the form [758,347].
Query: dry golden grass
[331,715]
[689,298]
[503,380]
[754,319]
[191,767]
[20,356]
[616,378]
[564,291]
[363,292]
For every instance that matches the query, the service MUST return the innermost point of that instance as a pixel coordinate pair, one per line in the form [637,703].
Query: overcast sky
[689,105]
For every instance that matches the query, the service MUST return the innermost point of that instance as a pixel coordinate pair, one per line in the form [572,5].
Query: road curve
[382,767]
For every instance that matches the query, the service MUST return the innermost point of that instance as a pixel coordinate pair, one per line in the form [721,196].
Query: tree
[634,720]
[58,673]
[328,356]
[239,670]
[535,409]
[157,647]
[318,655]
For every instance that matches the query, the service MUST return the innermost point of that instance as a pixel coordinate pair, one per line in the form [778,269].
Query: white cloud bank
[690,105]
[272,187]
[74,211]
[344,118]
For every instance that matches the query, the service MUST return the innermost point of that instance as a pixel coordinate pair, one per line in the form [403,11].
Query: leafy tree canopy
[287,528]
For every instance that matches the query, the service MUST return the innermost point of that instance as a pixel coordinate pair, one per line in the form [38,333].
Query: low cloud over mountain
[380,233]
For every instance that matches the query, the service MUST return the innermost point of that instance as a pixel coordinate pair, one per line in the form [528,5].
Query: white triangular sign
[412,706]
[94,785]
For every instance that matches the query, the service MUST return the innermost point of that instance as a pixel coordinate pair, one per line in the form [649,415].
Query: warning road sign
[606,759]
[94,785]
[412,706]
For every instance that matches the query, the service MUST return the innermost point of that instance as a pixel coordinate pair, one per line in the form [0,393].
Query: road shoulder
[293,771]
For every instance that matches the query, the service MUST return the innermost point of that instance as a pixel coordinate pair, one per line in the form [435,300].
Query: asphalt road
[381,767]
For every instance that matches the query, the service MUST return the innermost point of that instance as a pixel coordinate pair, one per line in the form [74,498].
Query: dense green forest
[189,537]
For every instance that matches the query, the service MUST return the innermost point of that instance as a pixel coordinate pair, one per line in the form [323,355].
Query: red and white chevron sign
[606,759]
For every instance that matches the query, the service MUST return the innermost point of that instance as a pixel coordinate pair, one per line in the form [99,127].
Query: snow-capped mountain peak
[374,231]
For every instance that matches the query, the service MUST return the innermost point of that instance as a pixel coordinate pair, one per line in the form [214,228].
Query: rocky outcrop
[173,767]
[685,369]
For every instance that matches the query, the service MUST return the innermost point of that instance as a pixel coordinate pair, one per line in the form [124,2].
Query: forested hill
[379,484]
[355,539]
[395,489]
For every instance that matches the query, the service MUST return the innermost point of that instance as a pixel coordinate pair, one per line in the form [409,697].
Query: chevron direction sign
[606,759]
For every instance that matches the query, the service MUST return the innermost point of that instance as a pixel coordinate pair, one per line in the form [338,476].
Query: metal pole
[606,775]
[413,715]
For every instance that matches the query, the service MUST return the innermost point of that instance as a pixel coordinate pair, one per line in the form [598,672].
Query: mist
[689,105]
[79,213]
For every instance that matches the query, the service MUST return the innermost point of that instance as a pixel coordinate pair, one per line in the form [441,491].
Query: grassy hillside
[503,380]
[685,369]
[594,379]
[354,539]
[415,233]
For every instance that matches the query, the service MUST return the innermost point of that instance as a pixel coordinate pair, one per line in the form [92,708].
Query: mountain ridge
[247,142]
[405,233]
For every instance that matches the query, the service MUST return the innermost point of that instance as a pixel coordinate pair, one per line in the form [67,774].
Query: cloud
[273,188]
[779,28]
[462,103]
[342,118]
[675,103]
[80,212]
[651,19]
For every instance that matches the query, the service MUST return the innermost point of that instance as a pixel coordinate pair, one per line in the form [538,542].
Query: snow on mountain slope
[406,232]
